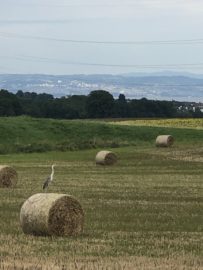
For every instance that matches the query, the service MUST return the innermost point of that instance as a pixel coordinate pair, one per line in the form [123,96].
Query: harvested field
[145,212]
[148,207]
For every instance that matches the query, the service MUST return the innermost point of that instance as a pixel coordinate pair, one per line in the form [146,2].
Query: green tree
[121,107]
[9,104]
[100,104]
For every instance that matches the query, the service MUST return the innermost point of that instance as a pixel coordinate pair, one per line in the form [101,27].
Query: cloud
[55,21]
[181,5]
[52,11]
[101,20]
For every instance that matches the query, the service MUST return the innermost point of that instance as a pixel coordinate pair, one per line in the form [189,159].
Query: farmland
[176,122]
[145,212]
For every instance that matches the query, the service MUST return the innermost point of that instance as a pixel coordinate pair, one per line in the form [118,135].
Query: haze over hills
[168,73]
[159,86]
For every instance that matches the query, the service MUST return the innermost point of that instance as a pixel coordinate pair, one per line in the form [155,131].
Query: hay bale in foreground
[164,140]
[105,158]
[52,214]
[8,176]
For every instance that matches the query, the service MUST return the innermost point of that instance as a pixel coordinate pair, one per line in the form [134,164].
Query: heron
[49,179]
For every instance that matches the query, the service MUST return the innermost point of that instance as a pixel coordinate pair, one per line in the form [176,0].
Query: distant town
[184,87]
[184,91]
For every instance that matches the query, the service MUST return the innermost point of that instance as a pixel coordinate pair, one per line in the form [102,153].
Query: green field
[145,212]
[25,134]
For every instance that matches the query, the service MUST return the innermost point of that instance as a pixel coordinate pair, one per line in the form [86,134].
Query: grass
[145,212]
[27,135]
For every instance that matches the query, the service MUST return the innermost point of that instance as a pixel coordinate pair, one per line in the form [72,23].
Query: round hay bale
[164,140]
[105,158]
[52,214]
[8,176]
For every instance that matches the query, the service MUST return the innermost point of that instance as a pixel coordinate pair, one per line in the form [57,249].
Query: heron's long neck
[52,173]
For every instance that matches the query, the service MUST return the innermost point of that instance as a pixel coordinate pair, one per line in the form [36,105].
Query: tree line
[98,104]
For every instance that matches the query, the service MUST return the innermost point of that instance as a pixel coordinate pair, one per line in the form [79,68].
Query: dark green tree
[9,104]
[100,104]
[121,108]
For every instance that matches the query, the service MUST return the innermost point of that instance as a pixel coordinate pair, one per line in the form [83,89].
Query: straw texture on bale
[8,176]
[105,158]
[52,214]
[164,140]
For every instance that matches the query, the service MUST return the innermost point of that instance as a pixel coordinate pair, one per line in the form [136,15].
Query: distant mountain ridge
[164,73]
[162,86]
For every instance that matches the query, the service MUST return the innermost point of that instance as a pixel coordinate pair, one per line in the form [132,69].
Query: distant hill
[158,86]
[164,73]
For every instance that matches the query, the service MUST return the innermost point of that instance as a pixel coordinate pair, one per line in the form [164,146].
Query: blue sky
[35,36]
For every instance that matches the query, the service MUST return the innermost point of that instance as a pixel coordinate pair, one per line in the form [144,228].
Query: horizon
[161,72]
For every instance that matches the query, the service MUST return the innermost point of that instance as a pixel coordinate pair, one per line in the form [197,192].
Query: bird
[49,179]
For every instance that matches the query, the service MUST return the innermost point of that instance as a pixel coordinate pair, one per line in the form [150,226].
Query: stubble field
[145,212]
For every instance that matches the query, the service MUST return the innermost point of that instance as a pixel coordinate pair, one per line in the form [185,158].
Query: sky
[100,36]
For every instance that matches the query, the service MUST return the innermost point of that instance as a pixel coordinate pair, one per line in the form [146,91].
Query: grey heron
[49,179]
